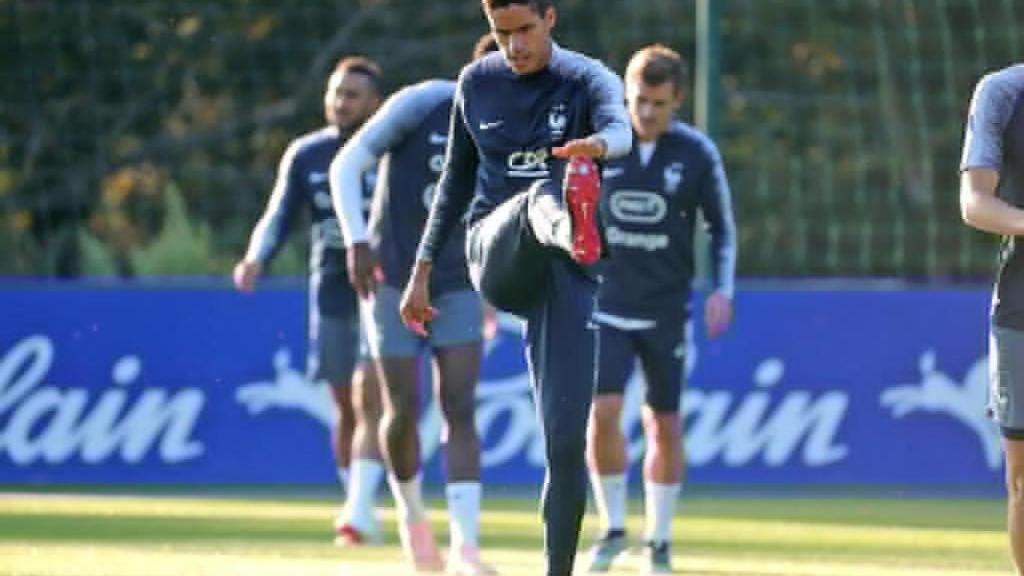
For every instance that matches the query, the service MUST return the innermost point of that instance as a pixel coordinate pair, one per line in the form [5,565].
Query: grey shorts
[336,346]
[458,320]
[1006,380]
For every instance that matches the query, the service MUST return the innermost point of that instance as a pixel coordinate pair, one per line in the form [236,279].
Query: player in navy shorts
[650,204]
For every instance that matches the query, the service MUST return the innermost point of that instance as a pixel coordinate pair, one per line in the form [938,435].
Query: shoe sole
[582,193]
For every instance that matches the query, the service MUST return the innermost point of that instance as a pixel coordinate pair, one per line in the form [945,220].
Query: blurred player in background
[525,126]
[651,201]
[408,137]
[352,95]
[992,200]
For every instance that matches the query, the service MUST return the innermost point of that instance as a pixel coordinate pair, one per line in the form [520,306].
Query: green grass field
[65,535]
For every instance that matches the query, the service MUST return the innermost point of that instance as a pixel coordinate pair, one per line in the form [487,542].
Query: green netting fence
[140,137]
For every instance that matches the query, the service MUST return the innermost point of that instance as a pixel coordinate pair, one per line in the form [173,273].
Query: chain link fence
[141,137]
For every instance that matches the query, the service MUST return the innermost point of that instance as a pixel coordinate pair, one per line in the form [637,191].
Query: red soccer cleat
[347,535]
[582,191]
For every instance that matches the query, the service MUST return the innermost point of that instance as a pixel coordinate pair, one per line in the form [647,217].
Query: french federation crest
[673,175]
[557,121]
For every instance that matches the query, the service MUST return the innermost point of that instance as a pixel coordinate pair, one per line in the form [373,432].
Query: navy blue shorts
[661,349]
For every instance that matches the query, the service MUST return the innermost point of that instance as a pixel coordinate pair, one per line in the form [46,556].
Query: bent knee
[1015,485]
[662,428]
[606,410]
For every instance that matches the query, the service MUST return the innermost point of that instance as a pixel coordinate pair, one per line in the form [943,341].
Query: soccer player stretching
[532,225]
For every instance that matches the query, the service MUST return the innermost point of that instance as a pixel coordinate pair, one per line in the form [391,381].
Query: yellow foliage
[22,220]
[259,29]
[189,26]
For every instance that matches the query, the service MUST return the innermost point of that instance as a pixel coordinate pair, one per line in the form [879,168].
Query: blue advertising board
[200,386]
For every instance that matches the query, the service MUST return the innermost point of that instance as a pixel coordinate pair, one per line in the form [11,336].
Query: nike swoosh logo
[438,138]
[613,172]
[491,125]
[317,177]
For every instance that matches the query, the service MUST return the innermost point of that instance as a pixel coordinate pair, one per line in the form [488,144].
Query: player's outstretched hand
[717,314]
[415,307]
[591,147]
[245,274]
[362,265]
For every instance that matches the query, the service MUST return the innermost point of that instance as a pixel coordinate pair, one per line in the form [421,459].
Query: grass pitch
[88,535]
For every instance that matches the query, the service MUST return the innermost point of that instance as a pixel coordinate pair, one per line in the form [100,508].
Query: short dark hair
[657,64]
[539,6]
[361,65]
[485,44]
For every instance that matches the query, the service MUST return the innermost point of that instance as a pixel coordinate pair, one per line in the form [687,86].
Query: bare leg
[1015,500]
[608,463]
[345,427]
[606,446]
[456,371]
[357,521]
[366,407]
[398,437]
[400,446]
[663,463]
[662,474]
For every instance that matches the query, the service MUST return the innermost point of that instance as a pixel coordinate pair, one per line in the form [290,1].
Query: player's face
[523,35]
[349,100]
[651,107]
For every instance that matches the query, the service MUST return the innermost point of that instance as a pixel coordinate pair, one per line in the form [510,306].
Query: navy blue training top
[503,127]
[649,214]
[302,182]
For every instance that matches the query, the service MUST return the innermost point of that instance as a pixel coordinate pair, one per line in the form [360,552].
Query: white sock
[659,506]
[408,498]
[463,514]
[365,478]
[610,498]
[343,479]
